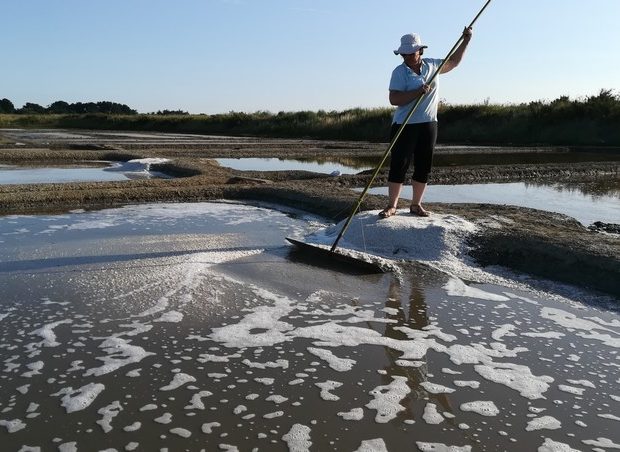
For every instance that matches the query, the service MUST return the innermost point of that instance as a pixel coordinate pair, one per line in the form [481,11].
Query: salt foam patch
[109,412]
[544,422]
[431,415]
[482,407]
[121,353]
[263,318]
[457,288]
[46,332]
[177,381]
[554,446]
[13,426]
[79,399]
[387,399]
[372,445]
[602,442]
[298,438]
[440,447]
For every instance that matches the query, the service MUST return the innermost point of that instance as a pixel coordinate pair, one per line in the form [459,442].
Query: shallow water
[275,164]
[445,156]
[134,169]
[585,202]
[193,326]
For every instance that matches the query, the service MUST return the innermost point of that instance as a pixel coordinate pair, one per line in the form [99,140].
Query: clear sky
[216,56]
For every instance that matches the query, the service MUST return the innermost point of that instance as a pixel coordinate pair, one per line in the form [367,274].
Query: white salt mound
[437,240]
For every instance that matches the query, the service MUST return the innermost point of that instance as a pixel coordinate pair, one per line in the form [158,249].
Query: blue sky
[216,56]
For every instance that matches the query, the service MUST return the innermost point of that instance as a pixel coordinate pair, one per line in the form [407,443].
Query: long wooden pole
[398,133]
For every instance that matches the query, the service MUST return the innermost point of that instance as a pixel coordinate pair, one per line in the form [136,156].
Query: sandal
[387,212]
[418,211]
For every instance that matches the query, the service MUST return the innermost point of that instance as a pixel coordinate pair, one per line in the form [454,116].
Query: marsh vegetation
[589,121]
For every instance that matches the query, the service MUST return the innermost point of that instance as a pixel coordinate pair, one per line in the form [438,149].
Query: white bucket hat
[409,43]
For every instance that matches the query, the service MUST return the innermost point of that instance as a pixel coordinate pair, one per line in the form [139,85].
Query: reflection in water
[352,165]
[413,315]
[317,165]
[597,189]
[583,202]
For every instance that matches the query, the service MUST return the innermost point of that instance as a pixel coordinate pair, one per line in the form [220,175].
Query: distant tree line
[62,107]
[592,120]
[78,108]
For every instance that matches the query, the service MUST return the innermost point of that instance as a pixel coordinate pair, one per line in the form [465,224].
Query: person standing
[417,140]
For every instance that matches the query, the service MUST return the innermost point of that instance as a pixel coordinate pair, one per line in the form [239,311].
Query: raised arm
[457,56]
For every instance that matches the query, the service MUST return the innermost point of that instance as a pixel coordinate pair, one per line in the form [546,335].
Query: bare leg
[418,192]
[416,201]
[394,189]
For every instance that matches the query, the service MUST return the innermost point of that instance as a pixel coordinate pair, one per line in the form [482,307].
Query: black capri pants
[416,142]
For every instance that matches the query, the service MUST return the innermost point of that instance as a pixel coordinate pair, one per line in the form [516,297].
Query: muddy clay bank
[542,244]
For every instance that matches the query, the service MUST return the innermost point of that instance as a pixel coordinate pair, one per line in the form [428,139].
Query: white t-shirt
[404,79]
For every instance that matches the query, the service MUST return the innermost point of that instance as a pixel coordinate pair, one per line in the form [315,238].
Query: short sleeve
[436,62]
[397,81]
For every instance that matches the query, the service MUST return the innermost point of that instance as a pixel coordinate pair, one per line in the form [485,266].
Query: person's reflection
[415,317]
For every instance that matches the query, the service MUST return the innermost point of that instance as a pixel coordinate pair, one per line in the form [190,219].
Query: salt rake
[351,260]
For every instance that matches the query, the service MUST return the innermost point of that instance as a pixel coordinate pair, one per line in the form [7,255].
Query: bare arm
[399,98]
[457,56]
